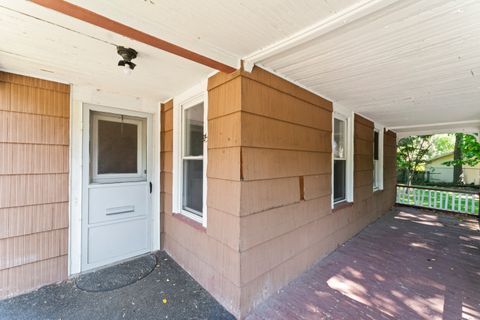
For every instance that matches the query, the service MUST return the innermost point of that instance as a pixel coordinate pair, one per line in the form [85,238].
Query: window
[118,148]
[192,159]
[339,160]
[190,154]
[377,158]
[342,155]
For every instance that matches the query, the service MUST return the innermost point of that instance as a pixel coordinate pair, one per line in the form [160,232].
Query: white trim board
[469,126]
[80,97]
[195,94]
[348,115]
[380,169]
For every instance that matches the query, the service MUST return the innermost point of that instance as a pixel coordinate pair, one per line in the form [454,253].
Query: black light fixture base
[128,54]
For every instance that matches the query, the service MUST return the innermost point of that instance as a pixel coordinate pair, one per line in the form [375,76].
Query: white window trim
[378,185]
[188,99]
[347,115]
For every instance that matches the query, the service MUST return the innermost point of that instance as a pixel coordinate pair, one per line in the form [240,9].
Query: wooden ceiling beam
[98,20]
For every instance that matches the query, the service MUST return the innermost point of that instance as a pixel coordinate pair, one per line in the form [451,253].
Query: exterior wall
[269,188]
[286,220]
[34,149]
[209,254]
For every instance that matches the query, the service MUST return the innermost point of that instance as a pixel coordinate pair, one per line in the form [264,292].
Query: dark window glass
[375,145]
[339,173]
[117,147]
[193,186]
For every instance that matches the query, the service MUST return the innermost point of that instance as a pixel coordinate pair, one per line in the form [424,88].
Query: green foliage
[470,152]
[442,144]
[412,153]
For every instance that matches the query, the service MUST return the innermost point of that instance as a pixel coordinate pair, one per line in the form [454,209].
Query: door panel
[116,223]
[105,203]
[117,240]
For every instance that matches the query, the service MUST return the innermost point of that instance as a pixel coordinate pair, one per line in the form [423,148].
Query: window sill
[377,190]
[341,205]
[192,223]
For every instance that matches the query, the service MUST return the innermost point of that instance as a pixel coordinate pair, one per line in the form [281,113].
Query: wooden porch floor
[410,264]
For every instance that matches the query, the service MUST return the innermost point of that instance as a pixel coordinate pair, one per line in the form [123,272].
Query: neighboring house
[221,147]
[439,172]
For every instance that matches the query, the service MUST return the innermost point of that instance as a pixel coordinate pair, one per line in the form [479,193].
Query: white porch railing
[437,198]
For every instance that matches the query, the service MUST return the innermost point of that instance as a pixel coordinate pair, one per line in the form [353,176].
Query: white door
[116,214]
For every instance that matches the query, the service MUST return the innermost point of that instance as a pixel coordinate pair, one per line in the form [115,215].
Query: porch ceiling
[412,65]
[39,42]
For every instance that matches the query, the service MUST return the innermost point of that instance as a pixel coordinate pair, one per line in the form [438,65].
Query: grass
[415,198]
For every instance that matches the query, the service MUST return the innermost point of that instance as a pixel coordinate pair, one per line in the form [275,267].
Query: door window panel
[117,147]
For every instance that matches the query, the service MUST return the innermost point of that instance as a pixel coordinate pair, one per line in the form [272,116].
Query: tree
[457,157]
[470,148]
[412,153]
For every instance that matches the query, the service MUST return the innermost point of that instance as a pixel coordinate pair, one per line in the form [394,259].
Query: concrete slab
[166,293]
[117,276]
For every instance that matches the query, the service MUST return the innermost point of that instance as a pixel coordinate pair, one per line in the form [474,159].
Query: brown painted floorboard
[409,264]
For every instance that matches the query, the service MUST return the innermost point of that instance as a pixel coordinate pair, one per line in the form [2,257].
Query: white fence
[441,199]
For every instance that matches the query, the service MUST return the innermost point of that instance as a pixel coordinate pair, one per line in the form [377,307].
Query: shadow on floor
[410,264]
[144,299]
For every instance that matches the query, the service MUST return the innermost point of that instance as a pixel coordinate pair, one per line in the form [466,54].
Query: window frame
[141,174]
[344,158]
[190,212]
[189,99]
[378,164]
[347,116]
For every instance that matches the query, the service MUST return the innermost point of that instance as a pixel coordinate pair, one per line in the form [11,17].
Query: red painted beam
[91,17]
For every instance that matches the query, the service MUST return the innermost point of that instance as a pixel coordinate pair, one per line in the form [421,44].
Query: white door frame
[78,123]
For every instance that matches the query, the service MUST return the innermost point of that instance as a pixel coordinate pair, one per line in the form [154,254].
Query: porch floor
[410,264]
[185,299]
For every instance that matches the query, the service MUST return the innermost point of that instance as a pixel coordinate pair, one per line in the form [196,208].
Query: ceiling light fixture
[127,54]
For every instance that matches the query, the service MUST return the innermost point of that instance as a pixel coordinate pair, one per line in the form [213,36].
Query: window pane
[193,130]
[338,138]
[193,186]
[375,145]
[339,171]
[117,147]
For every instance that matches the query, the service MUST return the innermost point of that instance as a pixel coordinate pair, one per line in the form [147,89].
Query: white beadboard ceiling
[412,65]
[35,39]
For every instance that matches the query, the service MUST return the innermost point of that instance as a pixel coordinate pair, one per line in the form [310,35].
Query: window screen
[117,147]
